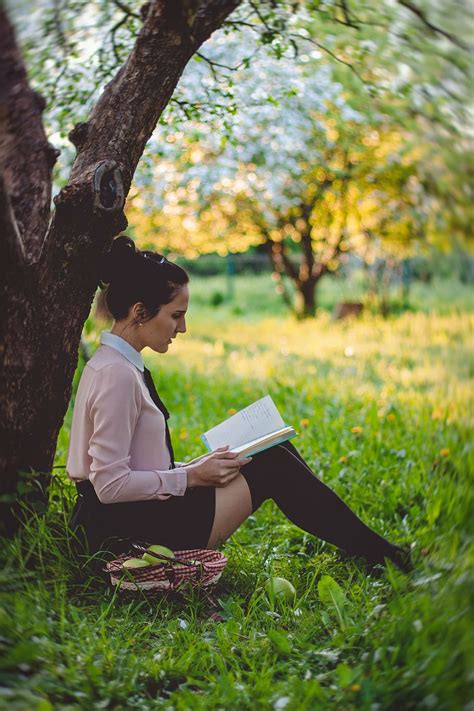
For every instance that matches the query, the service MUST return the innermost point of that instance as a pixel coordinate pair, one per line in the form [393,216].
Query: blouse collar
[123,347]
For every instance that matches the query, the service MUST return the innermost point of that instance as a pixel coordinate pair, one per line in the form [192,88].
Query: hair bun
[118,260]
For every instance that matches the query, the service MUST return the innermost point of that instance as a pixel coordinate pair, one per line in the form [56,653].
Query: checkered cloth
[169,576]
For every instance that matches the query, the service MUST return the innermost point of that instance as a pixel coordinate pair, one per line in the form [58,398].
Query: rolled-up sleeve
[114,406]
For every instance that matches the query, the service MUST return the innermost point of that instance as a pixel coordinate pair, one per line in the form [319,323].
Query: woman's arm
[114,404]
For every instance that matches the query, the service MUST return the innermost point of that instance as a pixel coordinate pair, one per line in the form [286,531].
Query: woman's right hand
[216,469]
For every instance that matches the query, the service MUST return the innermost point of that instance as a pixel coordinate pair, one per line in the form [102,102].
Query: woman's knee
[267,475]
[233,507]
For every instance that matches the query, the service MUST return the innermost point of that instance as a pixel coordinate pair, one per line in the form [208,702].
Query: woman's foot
[401,557]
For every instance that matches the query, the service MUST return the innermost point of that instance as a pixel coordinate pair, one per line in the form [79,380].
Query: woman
[120,453]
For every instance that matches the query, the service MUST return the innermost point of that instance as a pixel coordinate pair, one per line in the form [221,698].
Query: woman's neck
[118,329]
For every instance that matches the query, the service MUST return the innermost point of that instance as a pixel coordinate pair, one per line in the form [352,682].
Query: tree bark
[306,298]
[50,276]
[26,158]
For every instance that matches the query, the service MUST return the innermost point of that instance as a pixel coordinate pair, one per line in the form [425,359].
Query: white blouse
[118,434]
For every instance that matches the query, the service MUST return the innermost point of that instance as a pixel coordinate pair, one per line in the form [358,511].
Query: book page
[262,443]
[258,419]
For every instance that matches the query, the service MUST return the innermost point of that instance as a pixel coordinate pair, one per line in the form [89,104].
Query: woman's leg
[233,507]
[280,473]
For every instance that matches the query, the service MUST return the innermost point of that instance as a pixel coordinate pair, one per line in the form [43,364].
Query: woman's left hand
[198,459]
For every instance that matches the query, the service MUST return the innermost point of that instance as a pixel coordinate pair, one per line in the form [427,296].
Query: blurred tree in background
[353,145]
[310,175]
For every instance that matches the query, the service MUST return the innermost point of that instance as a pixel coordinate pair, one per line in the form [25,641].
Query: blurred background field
[251,296]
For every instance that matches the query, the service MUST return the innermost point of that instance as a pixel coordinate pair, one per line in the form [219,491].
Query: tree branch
[277,263]
[122,6]
[434,29]
[348,19]
[116,131]
[214,66]
[12,248]
[277,253]
[281,258]
[26,157]
[336,248]
[306,241]
[332,54]
[113,32]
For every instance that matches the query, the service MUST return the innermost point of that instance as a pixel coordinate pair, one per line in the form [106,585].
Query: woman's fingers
[242,461]
[230,476]
[236,462]
[231,469]
[219,468]
[220,450]
[225,454]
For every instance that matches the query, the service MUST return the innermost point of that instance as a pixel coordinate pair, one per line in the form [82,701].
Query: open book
[254,429]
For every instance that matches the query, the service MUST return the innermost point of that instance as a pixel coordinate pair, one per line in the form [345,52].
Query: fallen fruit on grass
[160,550]
[135,563]
[281,588]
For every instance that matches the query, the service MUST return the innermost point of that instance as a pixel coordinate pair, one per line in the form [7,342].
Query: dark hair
[132,275]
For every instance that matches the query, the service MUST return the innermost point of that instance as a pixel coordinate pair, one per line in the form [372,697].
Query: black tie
[160,405]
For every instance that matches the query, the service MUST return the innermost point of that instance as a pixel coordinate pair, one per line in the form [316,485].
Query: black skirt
[178,522]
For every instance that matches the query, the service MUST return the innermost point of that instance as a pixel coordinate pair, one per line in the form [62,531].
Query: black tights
[281,474]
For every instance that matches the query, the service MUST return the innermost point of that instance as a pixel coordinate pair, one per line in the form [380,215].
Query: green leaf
[344,674]
[44,705]
[332,595]
[280,642]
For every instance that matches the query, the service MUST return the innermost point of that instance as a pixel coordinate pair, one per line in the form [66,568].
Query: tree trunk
[304,305]
[306,298]
[48,288]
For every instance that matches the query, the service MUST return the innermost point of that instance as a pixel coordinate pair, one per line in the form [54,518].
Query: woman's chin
[163,348]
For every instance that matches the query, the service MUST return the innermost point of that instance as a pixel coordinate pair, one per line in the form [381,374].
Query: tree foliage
[410,58]
[322,157]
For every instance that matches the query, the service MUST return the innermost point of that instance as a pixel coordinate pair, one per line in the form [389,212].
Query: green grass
[384,641]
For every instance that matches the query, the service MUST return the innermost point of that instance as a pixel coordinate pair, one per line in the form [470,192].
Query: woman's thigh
[178,522]
[233,507]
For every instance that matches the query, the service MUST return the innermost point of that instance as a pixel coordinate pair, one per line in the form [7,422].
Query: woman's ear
[138,312]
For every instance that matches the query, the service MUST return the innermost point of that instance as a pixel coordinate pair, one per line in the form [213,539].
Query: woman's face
[158,332]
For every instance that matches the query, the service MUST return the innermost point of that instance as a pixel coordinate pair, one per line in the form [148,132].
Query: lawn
[384,414]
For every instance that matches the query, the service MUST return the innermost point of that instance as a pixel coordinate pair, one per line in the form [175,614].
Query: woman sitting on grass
[120,453]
